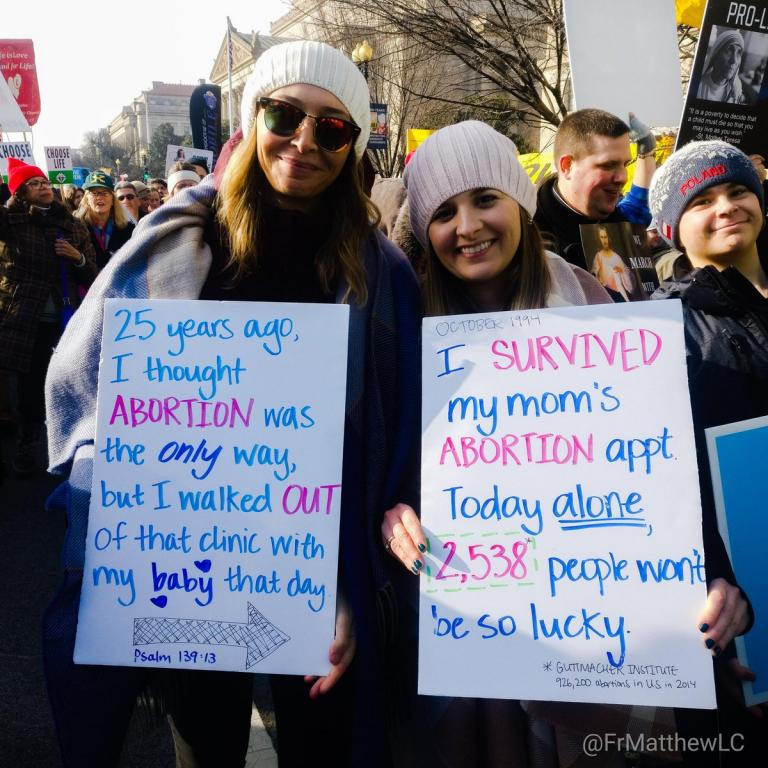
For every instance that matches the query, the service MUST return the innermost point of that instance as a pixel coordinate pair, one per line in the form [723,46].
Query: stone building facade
[132,129]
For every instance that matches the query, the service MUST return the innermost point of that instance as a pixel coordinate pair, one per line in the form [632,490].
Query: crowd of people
[46,294]
[288,215]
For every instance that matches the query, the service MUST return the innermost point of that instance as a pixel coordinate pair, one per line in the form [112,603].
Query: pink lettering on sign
[627,350]
[187,412]
[528,448]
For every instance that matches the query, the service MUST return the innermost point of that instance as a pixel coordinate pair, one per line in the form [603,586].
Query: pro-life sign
[58,161]
[20,150]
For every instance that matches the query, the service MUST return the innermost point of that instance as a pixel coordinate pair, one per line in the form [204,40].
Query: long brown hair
[527,278]
[352,216]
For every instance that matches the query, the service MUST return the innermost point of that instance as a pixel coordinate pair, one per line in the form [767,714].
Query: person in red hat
[46,263]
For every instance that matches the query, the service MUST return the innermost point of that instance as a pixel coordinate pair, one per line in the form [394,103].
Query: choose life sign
[561,503]
[58,161]
[213,530]
[20,150]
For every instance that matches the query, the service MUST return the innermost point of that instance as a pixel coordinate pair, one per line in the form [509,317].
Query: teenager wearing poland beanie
[708,201]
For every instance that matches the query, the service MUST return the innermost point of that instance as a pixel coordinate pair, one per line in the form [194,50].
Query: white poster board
[624,58]
[20,150]
[213,528]
[561,502]
[177,154]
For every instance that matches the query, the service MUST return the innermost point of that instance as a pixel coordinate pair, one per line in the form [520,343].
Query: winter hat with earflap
[311,63]
[690,171]
[457,158]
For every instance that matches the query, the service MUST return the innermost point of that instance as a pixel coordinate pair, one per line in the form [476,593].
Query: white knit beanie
[312,63]
[457,158]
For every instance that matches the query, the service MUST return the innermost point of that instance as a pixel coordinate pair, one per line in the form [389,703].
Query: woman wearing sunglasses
[284,218]
[106,221]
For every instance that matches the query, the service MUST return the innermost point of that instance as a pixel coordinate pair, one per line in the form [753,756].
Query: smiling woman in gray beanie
[471,208]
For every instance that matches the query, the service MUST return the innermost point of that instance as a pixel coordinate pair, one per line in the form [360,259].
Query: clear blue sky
[95,57]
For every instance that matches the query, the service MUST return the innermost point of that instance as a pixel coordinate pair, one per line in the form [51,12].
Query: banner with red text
[17,65]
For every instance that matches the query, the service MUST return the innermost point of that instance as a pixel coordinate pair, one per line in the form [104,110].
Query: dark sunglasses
[283,119]
[126,197]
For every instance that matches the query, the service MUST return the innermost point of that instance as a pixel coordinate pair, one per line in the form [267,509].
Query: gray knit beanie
[312,63]
[457,158]
[690,171]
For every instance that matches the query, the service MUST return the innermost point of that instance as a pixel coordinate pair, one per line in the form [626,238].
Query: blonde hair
[527,282]
[240,213]
[116,213]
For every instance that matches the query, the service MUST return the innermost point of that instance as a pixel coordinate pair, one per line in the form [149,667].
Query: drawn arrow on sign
[259,636]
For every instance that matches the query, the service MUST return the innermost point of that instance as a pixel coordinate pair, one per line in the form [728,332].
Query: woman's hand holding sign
[403,537]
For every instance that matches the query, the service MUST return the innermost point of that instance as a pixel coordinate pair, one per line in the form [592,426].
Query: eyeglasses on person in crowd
[283,119]
[37,183]
[126,197]
[99,192]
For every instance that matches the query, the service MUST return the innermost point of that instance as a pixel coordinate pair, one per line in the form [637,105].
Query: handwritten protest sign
[561,566]
[728,91]
[737,457]
[213,529]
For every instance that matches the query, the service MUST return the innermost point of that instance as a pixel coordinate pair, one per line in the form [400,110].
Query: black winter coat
[30,272]
[726,339]
[118,239]
[559,224]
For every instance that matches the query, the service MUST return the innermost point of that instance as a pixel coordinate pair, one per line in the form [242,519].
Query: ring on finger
[388,543]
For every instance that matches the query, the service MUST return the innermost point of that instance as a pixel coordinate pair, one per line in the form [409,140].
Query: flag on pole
[230,62]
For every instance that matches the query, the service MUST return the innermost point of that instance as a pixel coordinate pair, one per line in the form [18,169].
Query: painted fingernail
[717,650]
[422,547]
[703,627]
[414,570]
[418,565]
[710,643]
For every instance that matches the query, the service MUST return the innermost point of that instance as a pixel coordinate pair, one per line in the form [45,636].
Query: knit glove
[641,134]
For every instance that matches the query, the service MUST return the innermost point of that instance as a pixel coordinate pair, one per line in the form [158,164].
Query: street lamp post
[362,55]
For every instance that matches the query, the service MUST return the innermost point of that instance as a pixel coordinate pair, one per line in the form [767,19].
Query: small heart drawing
[203,565]
[161,601]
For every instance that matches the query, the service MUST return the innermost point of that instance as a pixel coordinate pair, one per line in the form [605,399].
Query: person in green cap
[106,222]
